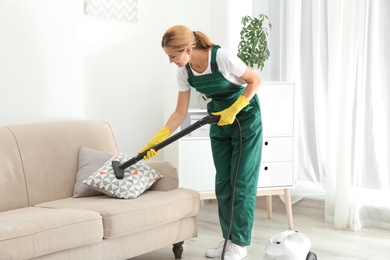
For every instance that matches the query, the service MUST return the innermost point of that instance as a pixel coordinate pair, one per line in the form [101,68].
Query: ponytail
[179,37]
[203,41]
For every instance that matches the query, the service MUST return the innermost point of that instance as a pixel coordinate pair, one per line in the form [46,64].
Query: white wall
[40,63]
[56,63]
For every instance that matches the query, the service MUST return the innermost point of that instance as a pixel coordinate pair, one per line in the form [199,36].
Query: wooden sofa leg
[178,249]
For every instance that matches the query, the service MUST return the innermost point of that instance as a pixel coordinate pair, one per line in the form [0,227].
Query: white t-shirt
[231,67]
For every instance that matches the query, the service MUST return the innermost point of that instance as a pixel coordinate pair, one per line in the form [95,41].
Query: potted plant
[253,45]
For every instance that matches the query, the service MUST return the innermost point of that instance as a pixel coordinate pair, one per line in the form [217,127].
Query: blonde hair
[179,37]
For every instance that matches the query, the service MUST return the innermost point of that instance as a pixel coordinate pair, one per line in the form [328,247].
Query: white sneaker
[235,252]
[217,251]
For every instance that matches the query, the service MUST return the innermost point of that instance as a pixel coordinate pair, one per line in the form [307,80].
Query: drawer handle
[266,168]
[266,143]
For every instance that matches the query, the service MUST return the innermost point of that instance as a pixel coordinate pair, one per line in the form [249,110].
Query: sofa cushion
[89,161]
[123,217]
[171,178]
[137,178]
[31,232]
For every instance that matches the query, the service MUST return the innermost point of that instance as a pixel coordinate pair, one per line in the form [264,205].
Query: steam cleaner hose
[233,190]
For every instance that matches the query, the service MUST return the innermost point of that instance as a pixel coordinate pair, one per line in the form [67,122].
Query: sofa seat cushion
[31,232]
[122,217]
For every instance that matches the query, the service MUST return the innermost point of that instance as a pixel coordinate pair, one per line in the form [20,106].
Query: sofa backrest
[48,155]
[13,191]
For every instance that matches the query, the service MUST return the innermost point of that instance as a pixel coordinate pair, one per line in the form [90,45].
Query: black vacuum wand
[119,168]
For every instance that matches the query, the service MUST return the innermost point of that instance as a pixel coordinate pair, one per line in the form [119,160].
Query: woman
[232,87]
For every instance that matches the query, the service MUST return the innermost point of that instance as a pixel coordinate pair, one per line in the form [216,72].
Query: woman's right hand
[161,135]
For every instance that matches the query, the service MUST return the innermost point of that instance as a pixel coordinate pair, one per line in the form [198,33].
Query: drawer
[276,174]
[277,149]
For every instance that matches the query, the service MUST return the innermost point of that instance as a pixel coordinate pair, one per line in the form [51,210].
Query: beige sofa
[40,219]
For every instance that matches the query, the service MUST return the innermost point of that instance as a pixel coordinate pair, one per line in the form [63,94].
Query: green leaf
[253,45]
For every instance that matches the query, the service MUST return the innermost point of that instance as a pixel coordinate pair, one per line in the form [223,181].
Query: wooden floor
[327,242]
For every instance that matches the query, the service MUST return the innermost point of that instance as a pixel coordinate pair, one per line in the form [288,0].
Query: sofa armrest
[170,178]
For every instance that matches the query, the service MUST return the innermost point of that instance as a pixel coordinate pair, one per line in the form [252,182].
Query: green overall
[225,144]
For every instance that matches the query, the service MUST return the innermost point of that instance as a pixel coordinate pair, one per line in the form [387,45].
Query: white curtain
[337,53]
[358,147]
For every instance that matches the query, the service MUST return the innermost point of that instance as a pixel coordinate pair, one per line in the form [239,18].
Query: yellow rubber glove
[163,134]
[229,114]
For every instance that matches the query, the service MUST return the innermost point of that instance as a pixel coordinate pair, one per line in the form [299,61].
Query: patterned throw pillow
[138,178]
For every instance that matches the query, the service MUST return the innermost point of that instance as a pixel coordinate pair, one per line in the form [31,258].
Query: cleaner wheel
[311,256]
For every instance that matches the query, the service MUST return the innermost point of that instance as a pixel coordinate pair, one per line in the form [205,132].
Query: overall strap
[189,71]
[213,62]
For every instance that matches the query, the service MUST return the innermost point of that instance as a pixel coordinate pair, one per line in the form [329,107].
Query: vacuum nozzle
[119,173]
